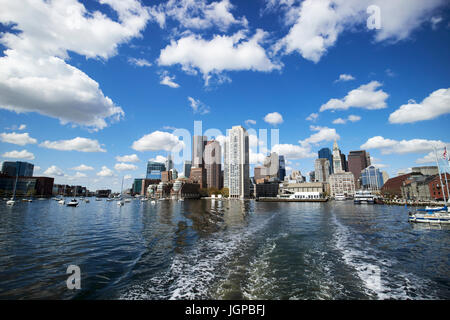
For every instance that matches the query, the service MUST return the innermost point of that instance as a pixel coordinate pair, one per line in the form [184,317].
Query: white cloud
[54,171]
[159,158]
[198,106]
[345,77]
[322,134]
[312,117]
[128,158]
[24,154]
[221,53]
[139,62]
[431,156]
[79,175]
[167,80]
[82,167]
[105,172]
[351,118]
[22,127]
[158,140]
[273,118]
[20,139]
[366,97]
[76,144]
[318,23]
[390,73]
[127,177]
[292,151]
[256,158]
[35,60]
[389,146]
[433,106]
[197,14]
[250,122]
[124,166]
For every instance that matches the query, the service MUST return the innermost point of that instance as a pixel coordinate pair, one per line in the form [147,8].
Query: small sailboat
[73,202]
[121,202]
[12,201]
[433,215]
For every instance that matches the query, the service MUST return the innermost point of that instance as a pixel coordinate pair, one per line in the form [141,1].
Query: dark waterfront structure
[26,186]
[13,168]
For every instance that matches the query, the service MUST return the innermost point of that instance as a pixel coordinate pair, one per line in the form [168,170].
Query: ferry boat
[364,196]
[340,197]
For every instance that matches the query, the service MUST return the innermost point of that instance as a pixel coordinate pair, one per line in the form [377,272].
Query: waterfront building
[325,153]
[238,163]
[337,159]
[358,161]
[371,178]
[182,189]
[322,169]
[342,183]
[187,168]
[163,190]
[166,176]
[258,173]
[392,187]
[281,168]
[154,169]
[212,162]
[137,186]
[146,183]
[26,186]
[198,175]
[198,148]
[101,193]
[266,189]
[20,168]
[307,190]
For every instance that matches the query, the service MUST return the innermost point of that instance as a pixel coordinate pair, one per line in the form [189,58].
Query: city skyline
[384,91]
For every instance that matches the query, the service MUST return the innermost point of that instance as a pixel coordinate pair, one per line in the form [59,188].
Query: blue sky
[93,81]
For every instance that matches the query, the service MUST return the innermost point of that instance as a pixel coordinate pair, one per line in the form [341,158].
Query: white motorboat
[61,201]
[153,202]
[72,203]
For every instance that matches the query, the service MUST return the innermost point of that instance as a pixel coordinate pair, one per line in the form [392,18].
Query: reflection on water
[219,249]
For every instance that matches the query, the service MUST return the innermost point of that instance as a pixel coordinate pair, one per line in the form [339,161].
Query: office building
[238,163]
[19,168]
[358,161]
[198,175]
[322,170]
[174,173]
[312,176]
[342,183]
[212,162]
[198,148]
[187,168]
[169,162]
[325,153]
[282,168]
[154,170]
[371,178]
[166,176]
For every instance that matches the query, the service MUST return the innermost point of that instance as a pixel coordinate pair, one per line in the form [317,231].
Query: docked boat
[61,201]
[364,196]
[120,202]
[431,215]
[340,197]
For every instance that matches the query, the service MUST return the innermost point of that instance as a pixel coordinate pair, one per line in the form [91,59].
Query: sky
[92,90]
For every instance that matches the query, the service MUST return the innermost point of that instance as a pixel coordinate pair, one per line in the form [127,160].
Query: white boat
[433,215]
[86,200]
[120,202]
[340,197]
[144,199]
[72,203]
[364,196]
[153,202]
[98,199]
[11,201]
[61,201]
[127,200]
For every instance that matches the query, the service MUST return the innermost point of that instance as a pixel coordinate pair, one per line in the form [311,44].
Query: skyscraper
[198,147]
[154,169]
[238,163]
[322,170]
[337,159]
[213,159]
[169,162]
[282,168]
[325,153]
[357,161]
[187,168]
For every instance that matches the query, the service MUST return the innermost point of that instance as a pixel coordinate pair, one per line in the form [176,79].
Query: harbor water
[220,249]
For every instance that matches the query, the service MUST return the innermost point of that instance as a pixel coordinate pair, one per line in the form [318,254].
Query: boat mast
[121,188]
[439,171]
[15,186]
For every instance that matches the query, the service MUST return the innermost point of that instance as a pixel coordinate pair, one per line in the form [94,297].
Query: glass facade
[13,168]
[371,178]
[154,170]
[325,153]
[282,169]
